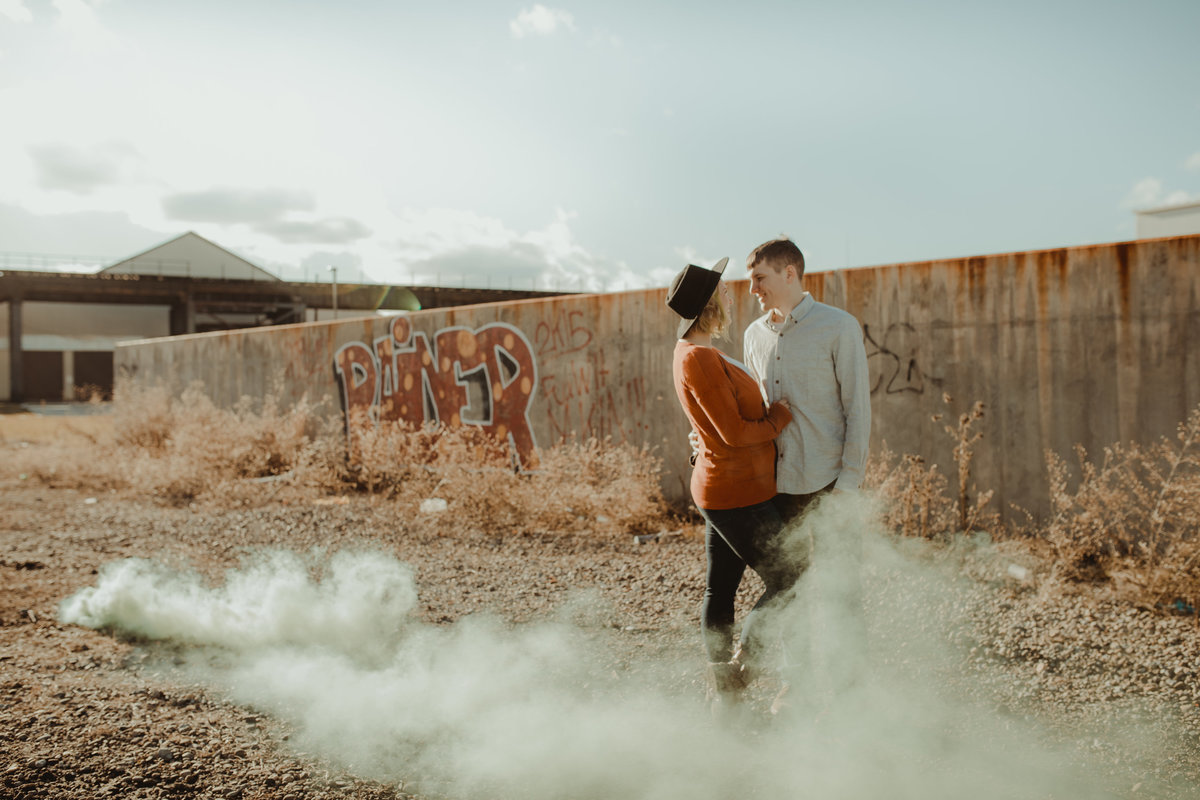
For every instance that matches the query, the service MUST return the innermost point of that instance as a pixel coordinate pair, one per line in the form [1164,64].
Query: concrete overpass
[200,304]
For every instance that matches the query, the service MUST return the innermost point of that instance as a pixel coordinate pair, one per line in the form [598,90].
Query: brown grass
[183,449]
[26,428]
[917,499]
[1135,515]
[1127,521]
[1130,521]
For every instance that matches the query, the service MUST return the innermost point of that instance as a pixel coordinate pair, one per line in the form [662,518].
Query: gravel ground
[83,714]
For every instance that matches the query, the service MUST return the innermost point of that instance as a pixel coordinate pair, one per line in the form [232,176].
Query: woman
[734,477]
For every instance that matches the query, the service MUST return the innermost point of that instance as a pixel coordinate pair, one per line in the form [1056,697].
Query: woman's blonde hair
[714,319]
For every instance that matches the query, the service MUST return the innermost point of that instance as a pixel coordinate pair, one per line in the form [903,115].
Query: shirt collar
[803,307]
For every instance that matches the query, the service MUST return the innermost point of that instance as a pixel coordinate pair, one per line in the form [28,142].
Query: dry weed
[90,393]
[1130,520]
[591,484]
[970,515]
[178,448]
[916,501]
[1135,513]
[183,449]
[1132,515]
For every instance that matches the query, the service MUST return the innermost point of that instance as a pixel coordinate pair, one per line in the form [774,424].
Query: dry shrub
[90,393]
[599,480]
[180,448]
[574,485]
[1133,514]
[184,448]
[191,448]
[143,417]
[915,499]
[970,515]
[397,456]
[915,495]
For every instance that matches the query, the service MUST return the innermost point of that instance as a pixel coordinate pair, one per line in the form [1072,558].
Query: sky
[583,144]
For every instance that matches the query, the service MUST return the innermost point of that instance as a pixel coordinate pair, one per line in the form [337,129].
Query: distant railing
[50,262]
[179,268]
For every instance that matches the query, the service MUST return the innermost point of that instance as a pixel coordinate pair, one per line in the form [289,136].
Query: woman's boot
[726,680]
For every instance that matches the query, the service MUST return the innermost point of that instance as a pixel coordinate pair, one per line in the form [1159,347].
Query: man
[813,354]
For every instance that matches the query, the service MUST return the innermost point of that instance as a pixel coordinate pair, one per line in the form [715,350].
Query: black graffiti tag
[899,371]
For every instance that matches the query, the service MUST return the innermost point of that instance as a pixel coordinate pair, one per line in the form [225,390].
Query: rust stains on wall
[1084,345]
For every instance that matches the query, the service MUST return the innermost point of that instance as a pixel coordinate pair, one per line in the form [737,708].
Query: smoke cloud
[483,708]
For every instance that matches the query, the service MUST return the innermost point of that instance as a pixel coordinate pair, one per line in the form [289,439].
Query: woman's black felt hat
[691,290]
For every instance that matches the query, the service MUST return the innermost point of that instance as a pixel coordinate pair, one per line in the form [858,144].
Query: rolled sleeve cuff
[848,481]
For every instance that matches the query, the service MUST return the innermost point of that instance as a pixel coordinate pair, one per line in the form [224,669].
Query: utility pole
[333,269]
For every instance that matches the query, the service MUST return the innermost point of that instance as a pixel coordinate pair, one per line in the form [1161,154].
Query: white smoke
[482,708]
[360,606]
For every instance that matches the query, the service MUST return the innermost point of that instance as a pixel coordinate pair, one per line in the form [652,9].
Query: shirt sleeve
[750,359]
[705,379]
[850,366]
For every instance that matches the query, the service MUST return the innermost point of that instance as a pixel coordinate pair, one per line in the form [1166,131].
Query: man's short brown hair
[777,254]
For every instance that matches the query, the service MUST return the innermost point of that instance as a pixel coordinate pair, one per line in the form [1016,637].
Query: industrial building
[1177,219]
[58,329]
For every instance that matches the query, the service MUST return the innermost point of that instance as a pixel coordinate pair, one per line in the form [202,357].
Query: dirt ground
[83,715]
[80,717]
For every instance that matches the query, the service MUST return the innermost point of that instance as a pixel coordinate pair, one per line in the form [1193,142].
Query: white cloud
[78,19]
[1193,161]
[90,238]
[1144,193]
[15,10]
[337,230]
[226,205]
[460,247]
[540,21]
[1150,192]
[82,169]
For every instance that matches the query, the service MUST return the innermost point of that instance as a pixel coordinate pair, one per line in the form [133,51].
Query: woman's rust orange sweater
[736,463]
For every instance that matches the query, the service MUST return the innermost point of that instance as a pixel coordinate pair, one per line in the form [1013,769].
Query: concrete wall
[1087,345]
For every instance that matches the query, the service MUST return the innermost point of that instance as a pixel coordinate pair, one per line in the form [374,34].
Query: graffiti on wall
[485,377]
[892,357]
[563,334]
[587,398]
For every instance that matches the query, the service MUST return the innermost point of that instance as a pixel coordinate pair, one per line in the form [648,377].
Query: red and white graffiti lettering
[483,377]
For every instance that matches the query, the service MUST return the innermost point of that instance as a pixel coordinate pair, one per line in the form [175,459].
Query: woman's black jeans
[734,539]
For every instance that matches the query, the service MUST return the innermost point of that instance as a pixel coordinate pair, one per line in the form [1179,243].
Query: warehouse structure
[58,330]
